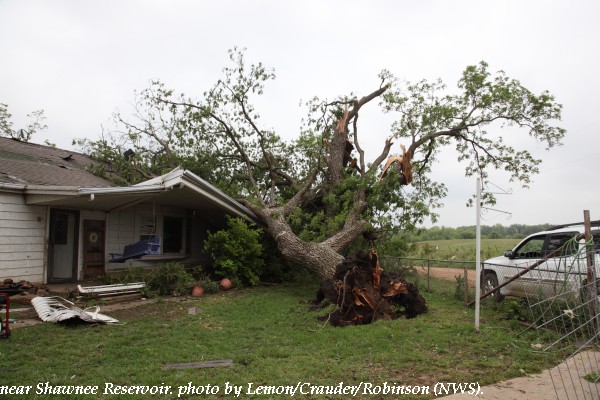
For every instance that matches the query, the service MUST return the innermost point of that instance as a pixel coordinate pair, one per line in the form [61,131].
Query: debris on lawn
[363,293]
[201,364]
[11,287]
[194,310]
[113,293]
[57,309]
[111,290]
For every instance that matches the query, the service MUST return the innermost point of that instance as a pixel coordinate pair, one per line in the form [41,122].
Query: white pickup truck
[563,273]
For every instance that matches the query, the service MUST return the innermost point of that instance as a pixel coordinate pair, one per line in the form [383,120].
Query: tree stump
[363,293]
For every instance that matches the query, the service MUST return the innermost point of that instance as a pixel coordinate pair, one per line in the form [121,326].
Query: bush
[166,279]
[170,279]
[237,252]
[129,275]
[209,285]
[459,290]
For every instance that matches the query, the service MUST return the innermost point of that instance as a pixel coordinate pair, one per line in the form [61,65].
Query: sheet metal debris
[111,290]
[57,309]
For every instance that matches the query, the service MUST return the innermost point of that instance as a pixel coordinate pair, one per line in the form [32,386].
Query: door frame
[89,229]
[54,212]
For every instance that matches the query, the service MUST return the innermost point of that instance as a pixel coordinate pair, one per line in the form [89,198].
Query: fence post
[592,289]
[428,267]
[466,286]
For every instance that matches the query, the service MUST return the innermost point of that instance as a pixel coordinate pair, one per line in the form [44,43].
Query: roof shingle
[34,164]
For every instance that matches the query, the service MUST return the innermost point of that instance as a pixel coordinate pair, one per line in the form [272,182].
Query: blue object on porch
[136,250]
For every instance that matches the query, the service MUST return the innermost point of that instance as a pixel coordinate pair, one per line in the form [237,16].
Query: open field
[273,338]
[461,249]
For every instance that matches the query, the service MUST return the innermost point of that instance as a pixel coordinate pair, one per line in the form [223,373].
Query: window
[171,227]
[173,235]
[531,248]
[559,240]
[60,228]
[596,239]
[147,226]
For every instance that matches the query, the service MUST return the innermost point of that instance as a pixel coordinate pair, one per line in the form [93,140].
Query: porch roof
[178,188]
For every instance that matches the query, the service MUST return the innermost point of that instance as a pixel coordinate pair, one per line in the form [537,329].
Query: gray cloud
[79,61]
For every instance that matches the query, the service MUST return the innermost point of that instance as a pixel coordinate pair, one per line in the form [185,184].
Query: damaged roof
[59,178]
[25,163]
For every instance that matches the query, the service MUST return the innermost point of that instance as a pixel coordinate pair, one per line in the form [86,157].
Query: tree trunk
[318,258]
[321,258]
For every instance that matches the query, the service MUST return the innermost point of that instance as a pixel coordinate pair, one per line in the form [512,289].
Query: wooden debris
[404,166]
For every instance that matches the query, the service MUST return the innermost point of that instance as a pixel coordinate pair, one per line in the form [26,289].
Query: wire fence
[430,272]
[557,292]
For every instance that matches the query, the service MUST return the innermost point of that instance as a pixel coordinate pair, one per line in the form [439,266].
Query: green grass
[273,339]
[461,249]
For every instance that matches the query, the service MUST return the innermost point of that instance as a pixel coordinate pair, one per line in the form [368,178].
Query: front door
[62,245]
[93,248]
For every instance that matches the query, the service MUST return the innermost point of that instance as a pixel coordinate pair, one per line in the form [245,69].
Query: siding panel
[22,233]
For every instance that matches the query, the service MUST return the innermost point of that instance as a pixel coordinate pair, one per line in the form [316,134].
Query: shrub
[170,278]
[129,275]
[237,252]
[166,279]
[209,285]
[276,268]
[459,290]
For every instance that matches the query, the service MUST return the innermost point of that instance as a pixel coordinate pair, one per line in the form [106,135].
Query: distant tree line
[515,231]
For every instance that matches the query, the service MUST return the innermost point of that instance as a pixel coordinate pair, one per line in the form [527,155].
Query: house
[60,223]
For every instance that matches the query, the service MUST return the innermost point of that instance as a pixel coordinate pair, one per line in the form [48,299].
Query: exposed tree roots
[363,293]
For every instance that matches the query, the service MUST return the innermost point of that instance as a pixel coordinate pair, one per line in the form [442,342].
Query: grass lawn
[273,339]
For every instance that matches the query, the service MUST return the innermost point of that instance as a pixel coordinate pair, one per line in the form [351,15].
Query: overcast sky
[80,61]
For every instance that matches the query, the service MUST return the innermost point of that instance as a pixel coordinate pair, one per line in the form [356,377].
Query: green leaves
[323,175]
[475,119]
[237,252]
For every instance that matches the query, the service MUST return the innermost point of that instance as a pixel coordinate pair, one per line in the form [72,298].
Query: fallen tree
[319,193]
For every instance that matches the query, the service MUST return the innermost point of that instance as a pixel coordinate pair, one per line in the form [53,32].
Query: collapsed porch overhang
[178,188]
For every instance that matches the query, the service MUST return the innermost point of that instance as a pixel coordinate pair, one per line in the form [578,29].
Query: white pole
[478,254]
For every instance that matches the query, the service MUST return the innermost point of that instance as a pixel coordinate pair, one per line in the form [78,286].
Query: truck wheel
[489,280]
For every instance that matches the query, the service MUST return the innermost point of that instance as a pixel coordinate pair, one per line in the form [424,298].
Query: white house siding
[22,243]
[120,231]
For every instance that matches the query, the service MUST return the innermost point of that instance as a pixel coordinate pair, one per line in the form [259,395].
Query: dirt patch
[447,274]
